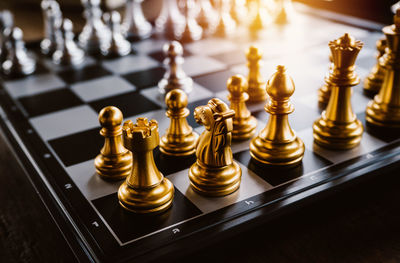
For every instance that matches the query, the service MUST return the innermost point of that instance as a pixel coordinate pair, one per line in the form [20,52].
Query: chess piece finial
[338,126]
[225,25]
[277,143]
[255,83]
[145,190]
[6,25]
[215,173]
[118,46]
[114,161]
[52,18]
[384,109]
[68,53]
[135,24]
[174,77]
[192,31]
[179,139]
[170,22]
[324,92]
[94,34]
[374,80]
[18,62]
[207,17]
[244,124]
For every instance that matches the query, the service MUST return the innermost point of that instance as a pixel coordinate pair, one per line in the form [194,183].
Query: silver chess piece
[174,77]
[52,18]
[118,45]
[192,31]
[206,17]
[68,53]
[94,33]
[135,24]
[18,62]
[6,22]
[170,22]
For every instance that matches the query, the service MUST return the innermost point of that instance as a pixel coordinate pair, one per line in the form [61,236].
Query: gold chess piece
[338,127]
[215,173]
[324,92]
[180,139]
[145,190]
[384,109]
[283,11]
[225,25]
[244,124]
[260,19]
[255,83]
[277,143]
[373,82]
[114,161]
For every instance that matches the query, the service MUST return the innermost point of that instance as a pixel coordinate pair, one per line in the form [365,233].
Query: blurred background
[28,13]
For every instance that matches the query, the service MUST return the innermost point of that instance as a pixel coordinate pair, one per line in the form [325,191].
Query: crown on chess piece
[114,161]
[215,173]
[145,190]
[338,127]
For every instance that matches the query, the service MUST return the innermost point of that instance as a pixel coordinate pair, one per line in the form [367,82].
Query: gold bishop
[215,173]
[114,161]
[384,109]
[244,124]
[338,126]
[145,190]
[255,83]
[180,139]
[277,143]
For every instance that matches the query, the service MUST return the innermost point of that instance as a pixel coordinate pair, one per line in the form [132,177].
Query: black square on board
[128,226]
[146,78]
[191,107]
[231,58]
[78,147]
[51,101]
[216,81]
[172,164]
[72,76]
[130,104]
[279,175]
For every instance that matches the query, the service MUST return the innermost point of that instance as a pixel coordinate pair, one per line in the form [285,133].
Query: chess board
[51,120]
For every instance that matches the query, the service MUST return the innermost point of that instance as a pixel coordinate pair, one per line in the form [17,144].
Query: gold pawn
[384,109]
[244,124]
[277,143]
[374,81]
[145,190]
[255,84]
[324,93]
[179,139]
[114,161]
[215,173]
[338,127]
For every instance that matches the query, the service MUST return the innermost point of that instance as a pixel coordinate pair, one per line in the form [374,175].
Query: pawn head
[176,99]
[67,25]
[17,33]
[236,85]
[280,86]
[173,48]
[110,116]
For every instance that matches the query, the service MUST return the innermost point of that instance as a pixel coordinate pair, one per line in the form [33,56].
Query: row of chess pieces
[105,34]
[128,150]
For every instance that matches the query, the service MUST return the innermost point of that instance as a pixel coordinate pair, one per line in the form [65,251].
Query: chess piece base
[211,181]
[115,167]
[185,84]
[337,136]
[373,84]
[181,146]
[61,59]
[384,116]
[13,69]
[244,129]
[147,200]
[275,153]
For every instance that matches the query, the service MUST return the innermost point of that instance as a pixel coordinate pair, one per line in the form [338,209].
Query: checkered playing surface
[62,105]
